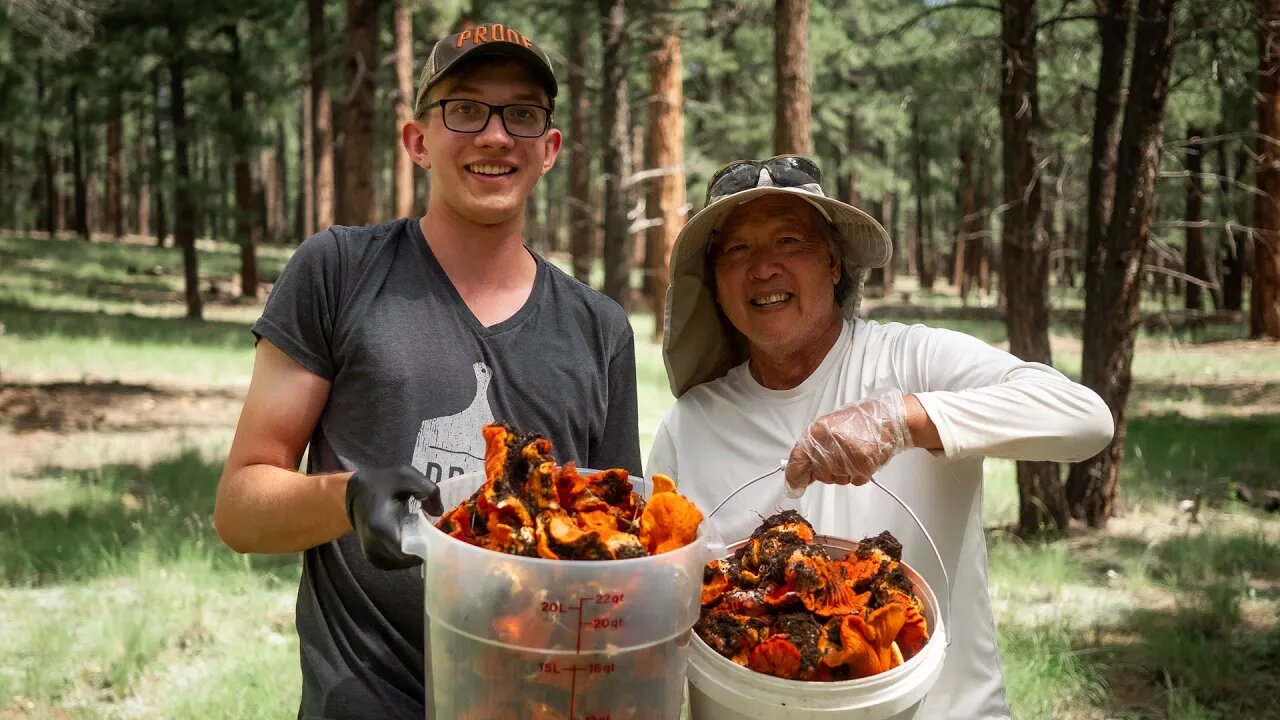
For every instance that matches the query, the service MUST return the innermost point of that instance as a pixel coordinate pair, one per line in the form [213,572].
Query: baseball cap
[484,40]
[700,345]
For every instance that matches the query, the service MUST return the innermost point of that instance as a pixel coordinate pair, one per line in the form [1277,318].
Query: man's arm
[619,445]
[264,504]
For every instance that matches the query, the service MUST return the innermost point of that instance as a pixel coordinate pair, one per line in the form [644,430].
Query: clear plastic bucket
[720,689]
[516,637]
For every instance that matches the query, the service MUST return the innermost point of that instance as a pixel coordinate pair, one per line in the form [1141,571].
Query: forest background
[1090,183]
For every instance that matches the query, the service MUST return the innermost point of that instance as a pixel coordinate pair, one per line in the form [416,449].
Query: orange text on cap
[496,32]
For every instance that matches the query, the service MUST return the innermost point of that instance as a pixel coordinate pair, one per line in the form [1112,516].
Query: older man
[771,366]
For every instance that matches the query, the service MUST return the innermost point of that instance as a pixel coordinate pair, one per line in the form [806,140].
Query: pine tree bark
[404,105]
[1113,32]
[184,210]
[1264,298]
[321,116]
[665,149]
[247,226]
[616,152]
[143,162]
[77,163]
[923,242]
[48,193]
[1025,249]
[793,107]
[115,162]
[157,161]
[962,274]
[357,206]
[305,225]
[1198,266]
[1108,346]
[581,227]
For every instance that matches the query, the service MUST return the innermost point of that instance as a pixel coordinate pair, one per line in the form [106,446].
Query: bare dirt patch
[82,425]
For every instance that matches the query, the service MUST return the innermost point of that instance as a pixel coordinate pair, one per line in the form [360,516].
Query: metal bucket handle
[934,546]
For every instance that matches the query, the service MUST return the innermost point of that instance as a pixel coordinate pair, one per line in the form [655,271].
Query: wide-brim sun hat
[700,345]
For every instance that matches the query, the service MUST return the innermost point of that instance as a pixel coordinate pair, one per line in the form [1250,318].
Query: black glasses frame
[786,171]
[502,114]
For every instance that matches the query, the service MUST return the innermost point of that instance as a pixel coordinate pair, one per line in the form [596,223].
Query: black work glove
[378,502]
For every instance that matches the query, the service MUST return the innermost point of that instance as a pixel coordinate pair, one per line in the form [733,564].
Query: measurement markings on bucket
[558,607]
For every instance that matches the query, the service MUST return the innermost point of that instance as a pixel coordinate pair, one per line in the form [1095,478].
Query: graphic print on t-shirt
[452,445]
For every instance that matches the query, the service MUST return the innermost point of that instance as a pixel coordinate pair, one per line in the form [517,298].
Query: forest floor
[118,601]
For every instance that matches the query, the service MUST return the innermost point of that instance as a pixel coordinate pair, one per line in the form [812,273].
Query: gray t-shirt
[414,377]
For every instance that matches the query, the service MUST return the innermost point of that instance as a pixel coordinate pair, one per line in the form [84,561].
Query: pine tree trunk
[1264,298]
[143,162]
[791,128]
[1024,248]
[581,227]
[961,273]
[281,214]
[157,162]
[404,105]
[184,210]
[1108,346]
[321,116]
[615,118]
[77,163]
[1197,267]
[358,204]
[666,153]
[1113,32]
[305,224]
[115,163]
[923,250]
[246,216]
[48,193]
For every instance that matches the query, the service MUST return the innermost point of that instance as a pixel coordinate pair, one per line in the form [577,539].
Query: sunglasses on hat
[786,171]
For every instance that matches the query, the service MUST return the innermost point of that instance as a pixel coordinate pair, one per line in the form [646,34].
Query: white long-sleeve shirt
[983,401]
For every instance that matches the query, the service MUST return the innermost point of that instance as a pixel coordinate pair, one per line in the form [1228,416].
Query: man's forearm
[266,509]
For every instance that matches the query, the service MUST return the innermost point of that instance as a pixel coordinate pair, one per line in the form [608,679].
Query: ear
[553,140]
[836,267]
[413,137]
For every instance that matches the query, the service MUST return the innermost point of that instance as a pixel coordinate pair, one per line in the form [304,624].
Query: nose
[763,264]
[494,133]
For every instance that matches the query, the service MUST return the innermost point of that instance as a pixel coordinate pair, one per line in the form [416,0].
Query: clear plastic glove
[845,447]
[377,504]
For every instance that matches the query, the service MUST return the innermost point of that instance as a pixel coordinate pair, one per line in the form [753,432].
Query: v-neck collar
[518,318]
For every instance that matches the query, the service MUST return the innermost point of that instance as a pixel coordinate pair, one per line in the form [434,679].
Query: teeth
[490,169]
[769,299]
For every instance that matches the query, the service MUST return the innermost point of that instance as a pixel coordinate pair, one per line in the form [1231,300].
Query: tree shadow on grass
[107,519]
[22,320]
[1168,457]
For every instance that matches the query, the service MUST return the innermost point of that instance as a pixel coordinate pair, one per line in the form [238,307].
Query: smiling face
[482,177]
[775,270]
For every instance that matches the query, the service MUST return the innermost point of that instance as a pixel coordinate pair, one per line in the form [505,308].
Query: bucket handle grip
[937,555]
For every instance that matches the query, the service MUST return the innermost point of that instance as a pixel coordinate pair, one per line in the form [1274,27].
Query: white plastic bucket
[522,637]
[720,689]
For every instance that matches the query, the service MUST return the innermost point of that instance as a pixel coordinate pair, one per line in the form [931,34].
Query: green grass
[118,600]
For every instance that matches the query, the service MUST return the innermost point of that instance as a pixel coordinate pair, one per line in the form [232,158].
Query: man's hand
[848,445]
[377,503]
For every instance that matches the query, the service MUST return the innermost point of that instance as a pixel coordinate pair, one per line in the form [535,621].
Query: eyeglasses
[472,116]
[786,171]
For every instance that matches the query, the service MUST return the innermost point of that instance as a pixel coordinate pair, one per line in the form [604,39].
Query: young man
[771,365]
[383,350]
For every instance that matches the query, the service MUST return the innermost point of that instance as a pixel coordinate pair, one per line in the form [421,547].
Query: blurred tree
[321,115]
[404,201]
[792,131]
[1264,302]
[616,150]
[665,155]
